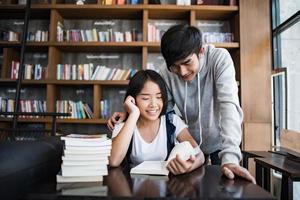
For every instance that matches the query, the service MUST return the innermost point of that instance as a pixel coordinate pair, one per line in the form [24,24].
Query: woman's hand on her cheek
[179,166]
[130,106]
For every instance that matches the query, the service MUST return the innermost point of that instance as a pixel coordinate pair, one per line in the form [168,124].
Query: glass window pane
[288,8]
[290,50]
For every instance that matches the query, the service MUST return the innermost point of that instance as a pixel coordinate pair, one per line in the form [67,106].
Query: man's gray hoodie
[221,115]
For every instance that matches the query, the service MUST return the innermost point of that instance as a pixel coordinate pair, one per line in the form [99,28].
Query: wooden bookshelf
[242,50]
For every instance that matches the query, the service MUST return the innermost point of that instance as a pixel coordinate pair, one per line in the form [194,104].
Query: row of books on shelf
[31,72]
[85,158]
[89,72]
[21,2]
[120,2]
[104,109]
[154,34]
[92,35]
[197,2]
[38,36]
[8,105]
[72,72]
[32,106]
[13,36]
[216,37]
[78,110]
[183,2]
[8,35]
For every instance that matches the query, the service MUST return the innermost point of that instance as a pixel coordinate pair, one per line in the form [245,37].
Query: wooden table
[284,160]
[203,183]
[253,154]
[289,169]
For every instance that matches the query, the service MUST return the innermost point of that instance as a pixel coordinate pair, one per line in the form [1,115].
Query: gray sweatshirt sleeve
[230,110]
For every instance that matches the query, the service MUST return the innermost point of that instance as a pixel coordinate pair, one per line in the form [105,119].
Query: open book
[183,149]
[151,168]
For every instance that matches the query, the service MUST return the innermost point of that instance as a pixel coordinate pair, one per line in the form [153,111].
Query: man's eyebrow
[186,61]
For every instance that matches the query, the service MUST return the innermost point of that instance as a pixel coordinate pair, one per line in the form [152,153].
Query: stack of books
[85,158]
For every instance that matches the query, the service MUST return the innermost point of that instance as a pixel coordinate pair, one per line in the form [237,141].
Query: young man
[201,82]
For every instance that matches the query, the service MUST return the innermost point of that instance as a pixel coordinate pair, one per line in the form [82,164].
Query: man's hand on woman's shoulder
[116,118]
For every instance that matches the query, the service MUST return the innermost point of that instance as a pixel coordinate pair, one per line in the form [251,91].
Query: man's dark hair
[179,42]
[138,81]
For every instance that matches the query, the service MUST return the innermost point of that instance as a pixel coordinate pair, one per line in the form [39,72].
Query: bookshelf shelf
[39,44]
[100,46]
[28,120]
[60,121]
[228,45]
[29,44]
[41,6]
[97,11]
[10,44]
[25,82]
[65,82]
[11,7]
[87,82]
[99,7]
[81,121]
[178,12]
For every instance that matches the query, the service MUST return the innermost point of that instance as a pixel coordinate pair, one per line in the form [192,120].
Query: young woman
[144,133]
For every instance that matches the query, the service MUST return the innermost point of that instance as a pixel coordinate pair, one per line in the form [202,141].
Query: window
[286,66]
[287,8]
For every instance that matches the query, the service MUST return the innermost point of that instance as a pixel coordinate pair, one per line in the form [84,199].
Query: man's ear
[201,52]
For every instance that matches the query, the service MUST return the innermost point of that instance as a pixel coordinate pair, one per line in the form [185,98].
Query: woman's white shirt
[157,149]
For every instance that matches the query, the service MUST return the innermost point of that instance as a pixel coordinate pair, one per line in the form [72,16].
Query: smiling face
[186,68]
[150,101]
